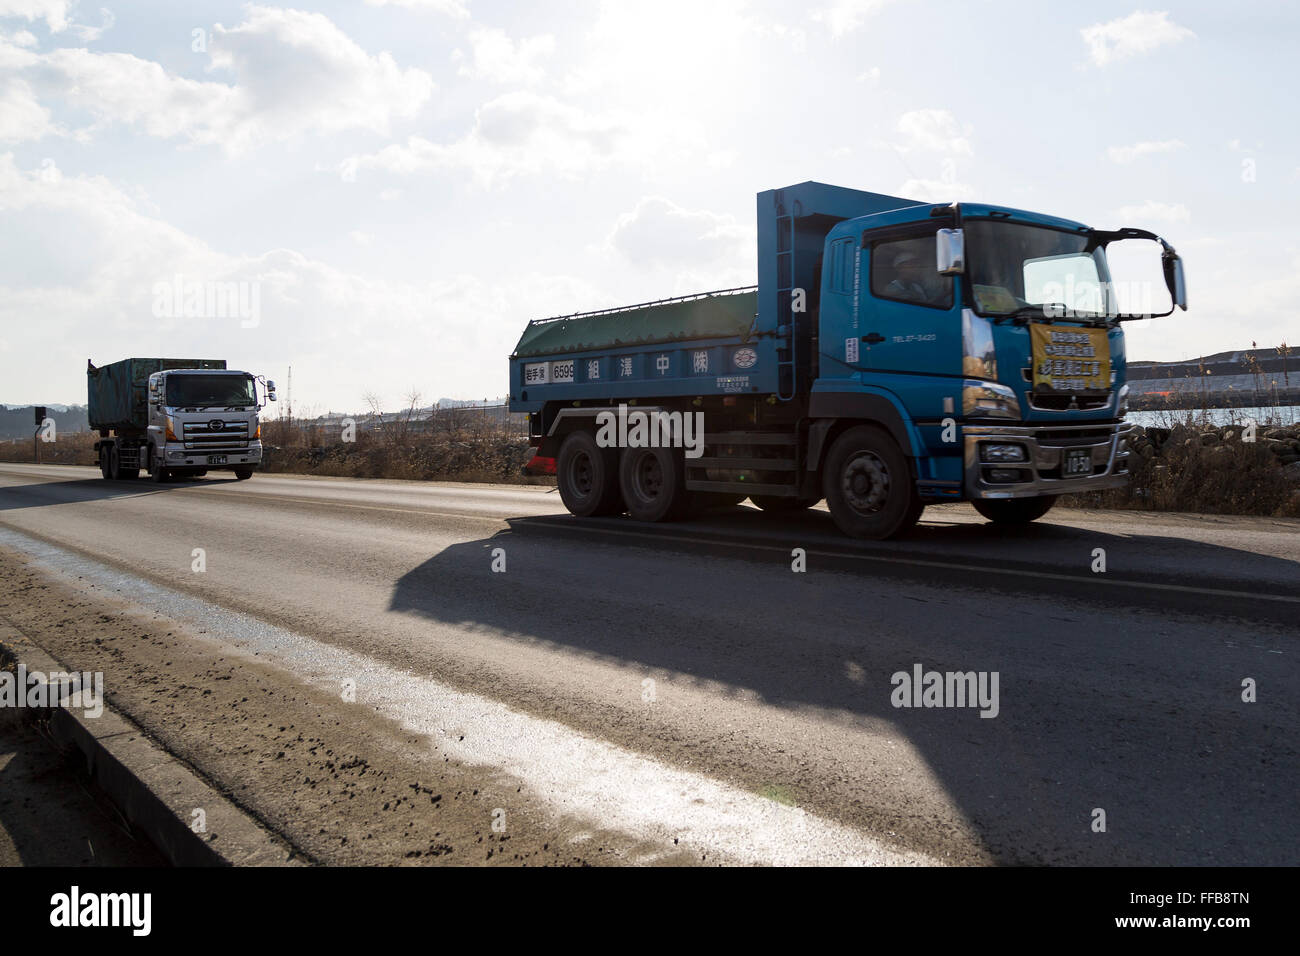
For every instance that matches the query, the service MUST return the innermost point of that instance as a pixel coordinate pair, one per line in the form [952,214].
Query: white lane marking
[570,772]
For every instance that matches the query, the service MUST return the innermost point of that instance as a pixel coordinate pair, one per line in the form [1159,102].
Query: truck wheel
[157,473]
[588,476]
[1014,510]
[115,470]
[243,474]
[104,463]
[654,483]
[776,505]
[868,485]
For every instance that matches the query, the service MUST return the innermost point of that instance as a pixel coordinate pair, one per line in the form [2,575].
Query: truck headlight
[992,452]
[171,433]
[988,400]
[1121,408]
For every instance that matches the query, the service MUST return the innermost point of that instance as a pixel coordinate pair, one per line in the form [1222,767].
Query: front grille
[203,436]
[1060,403]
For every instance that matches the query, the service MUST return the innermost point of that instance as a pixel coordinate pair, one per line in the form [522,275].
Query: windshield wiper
[1057,311]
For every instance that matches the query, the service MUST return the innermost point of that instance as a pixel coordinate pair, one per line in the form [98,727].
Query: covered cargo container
[117,394]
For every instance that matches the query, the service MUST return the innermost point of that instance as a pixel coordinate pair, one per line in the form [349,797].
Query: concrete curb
[156,792]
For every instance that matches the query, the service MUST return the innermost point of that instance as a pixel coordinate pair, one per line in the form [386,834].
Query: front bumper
[1042,471]
[180,457]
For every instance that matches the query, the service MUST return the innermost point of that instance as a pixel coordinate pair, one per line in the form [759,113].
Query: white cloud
[519,132]
[936,190]
[99,294]
[1127,154]
[659,232]
[1152,211]
[293,72]
[498,59]
[1139,32]
[455,8]
[845,16]
[934,130]
[870,76]
[22,117]
[362,238]
[53,12]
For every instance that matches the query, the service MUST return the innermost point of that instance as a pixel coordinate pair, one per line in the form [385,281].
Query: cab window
[904,270]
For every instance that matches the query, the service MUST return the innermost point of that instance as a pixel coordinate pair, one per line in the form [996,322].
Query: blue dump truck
[893,354]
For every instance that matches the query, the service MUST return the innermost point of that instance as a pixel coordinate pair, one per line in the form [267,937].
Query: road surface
[388,672]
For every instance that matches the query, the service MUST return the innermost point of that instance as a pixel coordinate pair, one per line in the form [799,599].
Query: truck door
[910,315]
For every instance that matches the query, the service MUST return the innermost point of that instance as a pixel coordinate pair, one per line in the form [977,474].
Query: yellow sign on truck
[1070,359]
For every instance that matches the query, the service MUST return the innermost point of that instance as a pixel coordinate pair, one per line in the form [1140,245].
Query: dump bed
[695,345]
[757,340]
[117,394]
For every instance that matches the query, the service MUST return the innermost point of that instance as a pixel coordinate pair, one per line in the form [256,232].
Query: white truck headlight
[1121,408]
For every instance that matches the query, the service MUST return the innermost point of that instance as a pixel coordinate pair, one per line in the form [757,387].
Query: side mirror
[270,396]
[1176,280]
[950,252]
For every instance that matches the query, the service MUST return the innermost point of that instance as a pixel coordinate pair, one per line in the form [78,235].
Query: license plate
[1078,461]
[216,459]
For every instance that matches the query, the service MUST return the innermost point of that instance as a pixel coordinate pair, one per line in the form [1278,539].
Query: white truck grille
[215,434]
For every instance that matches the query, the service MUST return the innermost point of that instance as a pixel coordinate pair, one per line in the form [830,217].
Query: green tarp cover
[710,317]
[116,394]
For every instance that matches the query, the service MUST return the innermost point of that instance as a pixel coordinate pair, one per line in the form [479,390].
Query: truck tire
[868,484]
[1014,510]
[653,481]
[104,462]
[243,473]
[116,470]
[157,473]
[588,476]
[777,505]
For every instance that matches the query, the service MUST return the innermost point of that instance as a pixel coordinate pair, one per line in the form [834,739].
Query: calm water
[1267,415]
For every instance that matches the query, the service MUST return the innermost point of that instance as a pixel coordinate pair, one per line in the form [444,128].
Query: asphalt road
[629,681]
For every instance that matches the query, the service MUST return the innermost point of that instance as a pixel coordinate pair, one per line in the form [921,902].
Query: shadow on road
[1135,713]
[44,494]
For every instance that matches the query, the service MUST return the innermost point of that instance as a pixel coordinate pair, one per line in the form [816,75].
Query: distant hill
[17,421]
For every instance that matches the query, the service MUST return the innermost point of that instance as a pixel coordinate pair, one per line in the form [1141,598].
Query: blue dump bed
[117,394]
[755,340]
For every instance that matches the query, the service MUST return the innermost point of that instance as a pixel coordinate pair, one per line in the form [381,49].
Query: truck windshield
[1014,266]
[213,391]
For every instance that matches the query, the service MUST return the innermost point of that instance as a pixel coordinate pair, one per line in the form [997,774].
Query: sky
[390,189]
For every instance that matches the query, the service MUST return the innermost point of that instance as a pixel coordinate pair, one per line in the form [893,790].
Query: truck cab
[997,334]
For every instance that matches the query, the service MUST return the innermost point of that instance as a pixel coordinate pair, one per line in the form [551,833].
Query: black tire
[777,505]
[868,484]
[1014,510]
[588,476]
[653,481]
[157,473]
[115,470]
[243,473]
[104,463]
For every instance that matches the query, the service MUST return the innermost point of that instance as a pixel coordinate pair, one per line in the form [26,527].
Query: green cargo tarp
[117,394]
[716,316]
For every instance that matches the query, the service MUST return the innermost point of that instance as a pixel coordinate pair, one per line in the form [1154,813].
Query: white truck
[175,417]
